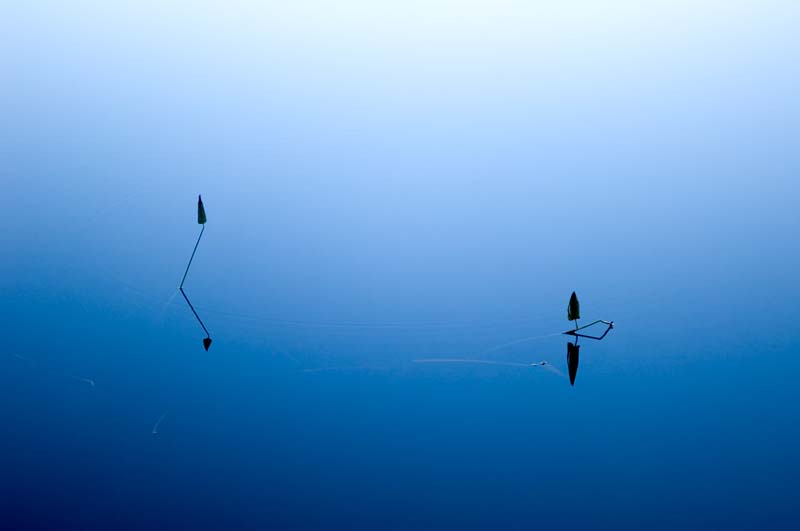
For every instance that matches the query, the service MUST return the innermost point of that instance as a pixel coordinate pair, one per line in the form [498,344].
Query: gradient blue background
[388,181]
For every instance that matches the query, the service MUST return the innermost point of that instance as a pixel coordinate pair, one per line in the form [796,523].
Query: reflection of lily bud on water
[572,361]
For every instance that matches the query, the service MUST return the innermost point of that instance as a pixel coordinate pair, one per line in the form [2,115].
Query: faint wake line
[518,341]
[33,363]
[462,360]
[542,364]
[158,422]
[86,380]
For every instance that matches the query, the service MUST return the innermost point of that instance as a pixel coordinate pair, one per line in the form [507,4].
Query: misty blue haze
[387,182]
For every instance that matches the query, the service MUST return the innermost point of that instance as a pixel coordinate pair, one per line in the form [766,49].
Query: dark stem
[192,257]
[194,312]
[184,280]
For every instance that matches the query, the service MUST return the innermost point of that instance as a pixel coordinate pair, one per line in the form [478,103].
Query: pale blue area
[382,185]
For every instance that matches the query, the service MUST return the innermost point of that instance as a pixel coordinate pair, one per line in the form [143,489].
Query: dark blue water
[374,200]
[684,416]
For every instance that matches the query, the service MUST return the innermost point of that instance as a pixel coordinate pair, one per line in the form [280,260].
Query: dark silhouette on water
[573,354]
[573,349]
[201,219]
[574,309]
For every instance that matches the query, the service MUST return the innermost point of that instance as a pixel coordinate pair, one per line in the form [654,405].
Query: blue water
[384,186]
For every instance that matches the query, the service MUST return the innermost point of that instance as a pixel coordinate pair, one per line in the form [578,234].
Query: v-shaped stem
[184,280]
[610,325]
